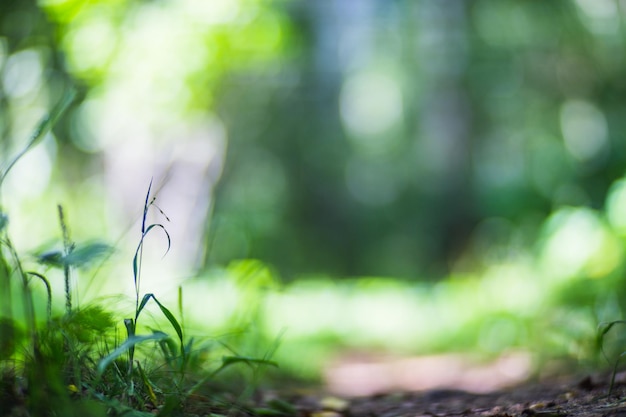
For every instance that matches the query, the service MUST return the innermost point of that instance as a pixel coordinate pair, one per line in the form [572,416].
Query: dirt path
[574,397]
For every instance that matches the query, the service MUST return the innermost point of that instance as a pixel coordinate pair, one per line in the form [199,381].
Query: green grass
[87,361]
[156,355]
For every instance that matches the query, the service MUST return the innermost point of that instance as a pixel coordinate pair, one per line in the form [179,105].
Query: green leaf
[81,256]
[171,319]
[86,254]
[169,240]
[52,258]
[143,303]
[166,312]
[128,344]
[145,209]
[136,258]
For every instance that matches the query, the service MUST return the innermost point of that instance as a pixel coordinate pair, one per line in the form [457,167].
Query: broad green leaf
[88,253]
[52,258]
[79,257]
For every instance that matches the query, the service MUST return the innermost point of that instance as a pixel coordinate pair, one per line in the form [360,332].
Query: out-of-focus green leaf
[10,337]
[86,254]
[81,256]
[52,258]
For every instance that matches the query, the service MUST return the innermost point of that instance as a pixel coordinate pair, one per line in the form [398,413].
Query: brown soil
[574,397]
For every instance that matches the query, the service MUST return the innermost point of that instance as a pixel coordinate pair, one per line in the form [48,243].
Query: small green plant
[45,357]
[603,330]
[132,339]
[76,364]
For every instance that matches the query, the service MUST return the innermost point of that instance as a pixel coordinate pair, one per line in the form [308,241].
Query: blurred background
[350,180]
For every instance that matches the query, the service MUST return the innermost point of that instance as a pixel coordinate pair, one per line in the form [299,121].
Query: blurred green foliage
[400,137]
[375,138]
[475,145]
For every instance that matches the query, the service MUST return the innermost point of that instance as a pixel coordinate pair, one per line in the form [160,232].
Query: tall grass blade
[45,125]
[140,246]
[145,208]
[137,262]
[605,328]
[139,252]
[46,283]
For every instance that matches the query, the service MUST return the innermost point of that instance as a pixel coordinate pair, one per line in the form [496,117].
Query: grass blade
[137,257]
[143,303]
[145,210]
[46,283]
[45,125]
[128,344]
[166,312]
[231,360]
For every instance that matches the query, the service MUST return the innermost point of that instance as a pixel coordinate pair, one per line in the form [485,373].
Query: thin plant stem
[68,247]
[29,307]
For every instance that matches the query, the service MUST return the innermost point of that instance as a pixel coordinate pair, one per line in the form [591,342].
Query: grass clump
[86,361]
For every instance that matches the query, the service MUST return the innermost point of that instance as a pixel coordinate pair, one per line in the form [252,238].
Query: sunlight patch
[578,242]
[584,129]
[370,104]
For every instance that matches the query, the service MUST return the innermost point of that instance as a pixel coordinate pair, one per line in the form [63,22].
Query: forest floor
[574,397]
[358,385]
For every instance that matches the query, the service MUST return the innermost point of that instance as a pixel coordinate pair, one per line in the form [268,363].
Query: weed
[603,330]
[77,364]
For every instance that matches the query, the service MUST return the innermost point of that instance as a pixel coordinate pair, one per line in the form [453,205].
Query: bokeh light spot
[584,129]
[370,104]
[91,46]
[214,11]
[600,16]
[31,175]
[22,73]
[616,206]
[578,242]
